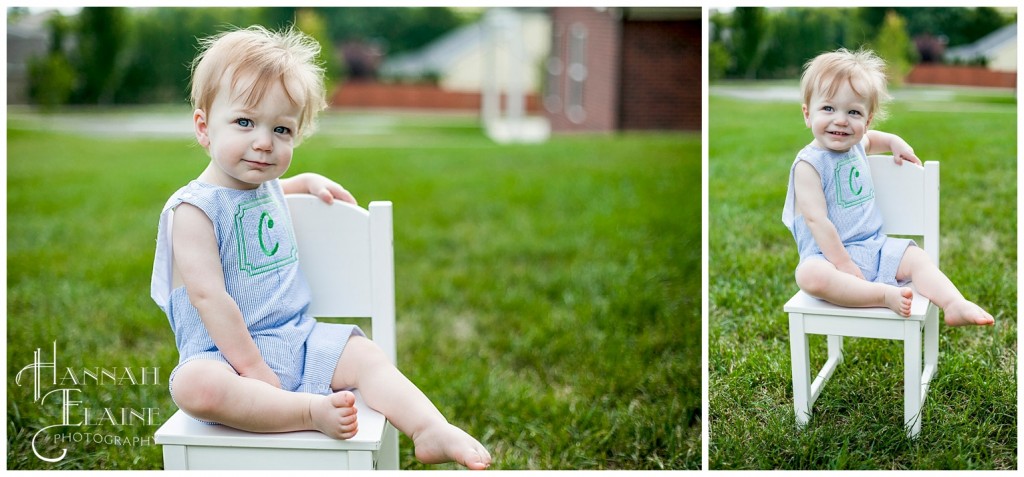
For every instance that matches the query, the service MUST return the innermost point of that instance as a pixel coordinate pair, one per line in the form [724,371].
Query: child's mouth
[259,165]
[838,133]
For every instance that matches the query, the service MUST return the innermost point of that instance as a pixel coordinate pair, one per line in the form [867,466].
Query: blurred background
[967,46]
[550,69]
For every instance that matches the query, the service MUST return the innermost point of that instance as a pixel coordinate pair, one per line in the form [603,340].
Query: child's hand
[328,190]
[901,151]
[262,372]
[318,185]
[878,142]
[852,269]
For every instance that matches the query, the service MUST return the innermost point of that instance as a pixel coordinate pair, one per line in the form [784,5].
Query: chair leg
[801,361]
[931,339]
[835,347]
[388,457]
[912,377]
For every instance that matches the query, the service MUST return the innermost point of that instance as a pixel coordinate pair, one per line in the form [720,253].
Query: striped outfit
[850,199]
[261,273]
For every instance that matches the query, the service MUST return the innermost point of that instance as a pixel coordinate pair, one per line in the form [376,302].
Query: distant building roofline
[986,46]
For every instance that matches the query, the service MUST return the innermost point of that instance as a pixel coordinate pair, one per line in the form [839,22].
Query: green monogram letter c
[854,173]
[270,224]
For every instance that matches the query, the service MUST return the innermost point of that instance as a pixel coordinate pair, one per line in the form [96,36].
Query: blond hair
[288,57]
[828,71]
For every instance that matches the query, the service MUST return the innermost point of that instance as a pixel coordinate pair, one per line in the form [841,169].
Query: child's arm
[318,185]
[810,203]
[197,261]
[878,141]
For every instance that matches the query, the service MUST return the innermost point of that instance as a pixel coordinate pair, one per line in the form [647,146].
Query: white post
[912,377]
[506,69]
[516,95]
[800,360]
[490,103]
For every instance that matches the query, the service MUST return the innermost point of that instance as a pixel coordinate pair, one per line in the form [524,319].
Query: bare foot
[964,312]
[446,443]
[335,415]
[898,299]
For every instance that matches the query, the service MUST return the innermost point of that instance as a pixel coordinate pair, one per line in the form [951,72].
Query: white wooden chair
[347,256]
[908,197]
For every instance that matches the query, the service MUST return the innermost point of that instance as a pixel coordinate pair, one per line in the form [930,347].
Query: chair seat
[291,450]
[804,303]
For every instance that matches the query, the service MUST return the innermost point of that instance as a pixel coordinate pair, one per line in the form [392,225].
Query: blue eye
[282,130]
[243,122]
[828,109]
[855,112]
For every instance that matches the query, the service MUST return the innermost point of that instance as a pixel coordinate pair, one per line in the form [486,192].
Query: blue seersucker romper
[850,199]
[261,273]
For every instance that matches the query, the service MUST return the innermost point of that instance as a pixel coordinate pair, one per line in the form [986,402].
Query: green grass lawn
[970,417]
[548,296]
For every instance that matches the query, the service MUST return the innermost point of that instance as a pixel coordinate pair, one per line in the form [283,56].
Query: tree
[893,45]
[397,28]
[775,43]
[310,22]
[101,33]
[51,77]
[138,55]
[750,28]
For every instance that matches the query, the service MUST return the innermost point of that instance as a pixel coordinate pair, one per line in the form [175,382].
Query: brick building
[624,69]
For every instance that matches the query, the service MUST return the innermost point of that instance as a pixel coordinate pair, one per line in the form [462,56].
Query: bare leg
[932,283]
[364,366]
[821,279]
[212,391]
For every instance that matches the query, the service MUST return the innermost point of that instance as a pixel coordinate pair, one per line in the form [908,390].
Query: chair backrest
[908,197]
[346,254]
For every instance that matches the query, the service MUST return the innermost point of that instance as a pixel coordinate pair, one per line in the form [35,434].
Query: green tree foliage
[50,80]
[749,32]
[398,29]
[893,45]
[310,21]
[800,34]
[718,61]
[98,58]
[775,43]
[163,43]
[51,77]
[140,55]
[958,25]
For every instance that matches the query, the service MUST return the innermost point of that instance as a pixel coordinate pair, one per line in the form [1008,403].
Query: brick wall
[600,92]
[961,76]
[661,75]
[410,96]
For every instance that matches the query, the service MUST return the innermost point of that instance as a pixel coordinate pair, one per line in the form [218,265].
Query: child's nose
[262,142]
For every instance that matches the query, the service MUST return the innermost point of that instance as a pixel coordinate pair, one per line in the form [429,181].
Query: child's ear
[807,115]
[201,127]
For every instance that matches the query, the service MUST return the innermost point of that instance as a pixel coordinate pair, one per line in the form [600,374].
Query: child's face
[247,146]
[840,122]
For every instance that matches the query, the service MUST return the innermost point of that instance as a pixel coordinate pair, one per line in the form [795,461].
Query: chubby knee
[915,260]
[366,351]
[361,358]
[197,390]
[812,277]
